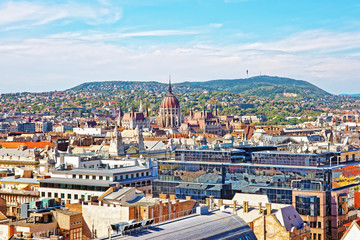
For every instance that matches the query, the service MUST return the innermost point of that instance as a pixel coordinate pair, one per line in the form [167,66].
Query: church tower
[116,144]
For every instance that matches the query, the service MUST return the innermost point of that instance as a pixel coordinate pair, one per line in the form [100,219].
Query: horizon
[172,83]
[48,46]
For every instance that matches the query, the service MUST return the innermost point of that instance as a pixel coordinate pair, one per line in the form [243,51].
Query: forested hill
[261,86]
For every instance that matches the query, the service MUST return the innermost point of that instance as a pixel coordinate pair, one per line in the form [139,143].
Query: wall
[275,231]
[99,218]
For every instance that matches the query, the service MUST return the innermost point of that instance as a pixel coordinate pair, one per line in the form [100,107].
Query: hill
[260,86]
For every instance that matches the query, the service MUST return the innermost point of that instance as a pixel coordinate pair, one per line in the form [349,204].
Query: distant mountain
[260,86]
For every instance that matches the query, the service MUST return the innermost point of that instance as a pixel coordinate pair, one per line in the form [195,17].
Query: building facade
[319,191]
[78,184]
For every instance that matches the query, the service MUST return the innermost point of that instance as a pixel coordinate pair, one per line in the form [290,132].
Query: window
[80,176]
[100,177]
[89,197]
[49,194]
[87,176]
[107,178]
[75,196]
[43,194]
[319,224]
[62,195]
[74,176]
[69,196]
[93,177]
[83,196]
[308,205]
[56,195]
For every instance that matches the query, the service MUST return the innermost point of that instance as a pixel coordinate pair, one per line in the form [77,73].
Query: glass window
[62,195]
[75,196]
[107,177]
[43,194]
[100,177]
[308,205]
[69,196]
[49,194]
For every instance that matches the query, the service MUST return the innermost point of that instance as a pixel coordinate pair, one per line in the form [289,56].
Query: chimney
[268,208]
[260,206]
[246,207]
[220,203]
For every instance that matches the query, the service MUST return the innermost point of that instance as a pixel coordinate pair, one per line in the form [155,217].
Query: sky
[58,44]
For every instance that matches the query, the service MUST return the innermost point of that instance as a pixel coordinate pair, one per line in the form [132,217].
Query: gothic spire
[170,90]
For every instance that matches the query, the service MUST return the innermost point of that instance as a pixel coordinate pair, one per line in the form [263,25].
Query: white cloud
[99,36]
[60,63]
[25,14]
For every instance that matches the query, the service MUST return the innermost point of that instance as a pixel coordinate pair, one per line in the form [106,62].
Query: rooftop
[223,225]
[20,180]
[103,171]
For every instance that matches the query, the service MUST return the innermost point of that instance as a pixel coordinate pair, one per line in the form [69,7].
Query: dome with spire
[170,101]
[169,112]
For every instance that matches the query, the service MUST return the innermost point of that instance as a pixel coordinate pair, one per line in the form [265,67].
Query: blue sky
[55,45]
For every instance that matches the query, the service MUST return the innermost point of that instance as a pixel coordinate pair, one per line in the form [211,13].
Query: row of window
[62,195]
[314,236]
[94,177]
[315,224]
[89,188]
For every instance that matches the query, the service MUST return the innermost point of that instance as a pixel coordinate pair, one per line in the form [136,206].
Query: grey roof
[19,180]
[87,182]
[15,152]
[94,182]
[118,194]
[289,217]
[103,171]
[214,225]
[200,186]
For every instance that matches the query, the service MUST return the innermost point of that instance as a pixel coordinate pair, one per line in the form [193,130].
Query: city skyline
[59,44]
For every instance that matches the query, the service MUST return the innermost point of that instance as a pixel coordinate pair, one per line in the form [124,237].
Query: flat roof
[290,153]
[94,182]
[211,150]
[103,171]
[74,181]
[20,180]
[264,165]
